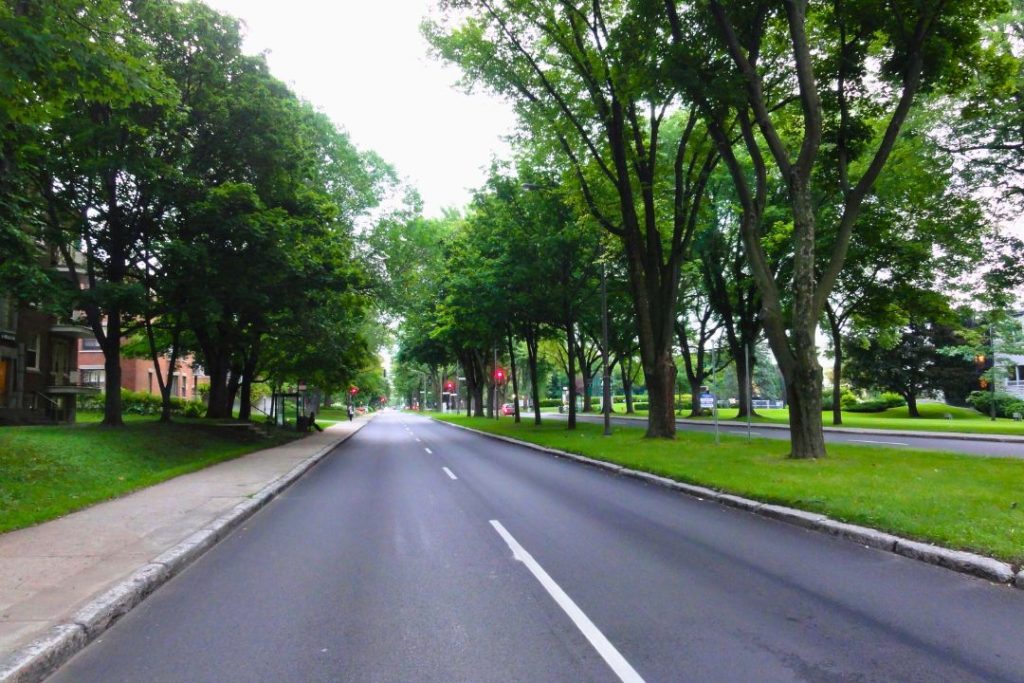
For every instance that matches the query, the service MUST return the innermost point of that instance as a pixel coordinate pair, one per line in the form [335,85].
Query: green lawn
[50,471]
[965,420]
[954,500]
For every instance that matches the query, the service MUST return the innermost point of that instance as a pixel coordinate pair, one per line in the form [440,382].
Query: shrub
[1006,404]
[893,400]
[847,398]
[194,409]
[873,406]
[550,402]
[144,403]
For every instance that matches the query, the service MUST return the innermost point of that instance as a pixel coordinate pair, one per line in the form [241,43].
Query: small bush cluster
[1006,404]
[875,405]
[144,403]
[550,402]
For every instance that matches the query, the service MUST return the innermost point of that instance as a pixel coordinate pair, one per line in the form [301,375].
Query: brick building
[39,375]
[137,374]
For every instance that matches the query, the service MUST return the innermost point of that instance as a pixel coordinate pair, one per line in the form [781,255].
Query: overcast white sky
[365,64]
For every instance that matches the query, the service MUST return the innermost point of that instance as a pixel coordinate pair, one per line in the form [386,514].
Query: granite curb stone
[957,560]
[36,661]
[39,659]
[98,614]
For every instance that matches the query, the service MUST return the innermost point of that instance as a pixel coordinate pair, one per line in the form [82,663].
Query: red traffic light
[354,390]
[499,375]
[449,386]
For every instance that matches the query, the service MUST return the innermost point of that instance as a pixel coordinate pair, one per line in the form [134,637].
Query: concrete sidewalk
[48,572]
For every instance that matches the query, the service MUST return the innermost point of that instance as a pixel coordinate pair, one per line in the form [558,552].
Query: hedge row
[144,403]
[1006,404]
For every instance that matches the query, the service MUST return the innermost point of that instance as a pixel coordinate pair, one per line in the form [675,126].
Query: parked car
[508,409]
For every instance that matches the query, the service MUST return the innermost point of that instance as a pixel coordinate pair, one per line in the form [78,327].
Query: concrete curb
[36,661]
[960,561]
[730,426]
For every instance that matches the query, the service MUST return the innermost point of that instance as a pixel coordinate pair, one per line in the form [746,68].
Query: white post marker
[451,475]
[609,654]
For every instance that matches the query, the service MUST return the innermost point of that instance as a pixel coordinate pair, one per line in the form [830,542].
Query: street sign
[707,400]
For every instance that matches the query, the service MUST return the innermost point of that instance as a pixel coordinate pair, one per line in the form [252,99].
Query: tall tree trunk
[744,381]
[531,353]
[804,390]
[912,404]
[661,387]
[478,384]
[587,374]
[234,382]
[515,380]
[837,364]
[216,398]
[627,387]
[245,390]
[112,409]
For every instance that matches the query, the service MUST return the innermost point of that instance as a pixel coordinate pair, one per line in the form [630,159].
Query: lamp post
[606,392]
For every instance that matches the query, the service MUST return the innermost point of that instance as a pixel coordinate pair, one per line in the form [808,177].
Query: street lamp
[606,392]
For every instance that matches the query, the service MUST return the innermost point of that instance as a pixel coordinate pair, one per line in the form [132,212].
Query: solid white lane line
[429,451]
[612,656]
[884,443]
[451,475]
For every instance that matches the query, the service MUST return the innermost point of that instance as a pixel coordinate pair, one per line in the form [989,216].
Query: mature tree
[921,230]
[696,328]
[102,172]
[55,55]
[914,362]
[588,79]
[734,297]
[797,80]
[988,135]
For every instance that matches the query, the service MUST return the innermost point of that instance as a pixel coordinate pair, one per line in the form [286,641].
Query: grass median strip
[933,419]
[957,501]
[47,472]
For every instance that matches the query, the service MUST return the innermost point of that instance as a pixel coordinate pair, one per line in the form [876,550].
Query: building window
[32,353]
[90,344]
[93,378]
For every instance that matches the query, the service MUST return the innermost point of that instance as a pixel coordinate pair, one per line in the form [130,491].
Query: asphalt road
[995,449]
[512,565]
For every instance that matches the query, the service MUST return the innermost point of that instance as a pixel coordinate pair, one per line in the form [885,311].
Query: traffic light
[499,376]
[354,390]
[449,386]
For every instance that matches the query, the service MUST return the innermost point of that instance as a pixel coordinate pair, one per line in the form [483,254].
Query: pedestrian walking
[350,412]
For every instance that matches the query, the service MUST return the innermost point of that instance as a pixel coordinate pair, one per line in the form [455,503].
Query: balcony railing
[74,325]
[72,382]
